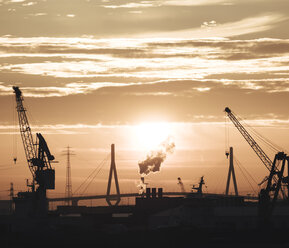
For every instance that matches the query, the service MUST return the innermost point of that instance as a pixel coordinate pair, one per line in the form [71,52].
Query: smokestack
[160,192]
[154,192]
[148,192]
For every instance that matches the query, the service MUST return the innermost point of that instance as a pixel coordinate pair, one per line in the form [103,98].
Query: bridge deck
[91,197]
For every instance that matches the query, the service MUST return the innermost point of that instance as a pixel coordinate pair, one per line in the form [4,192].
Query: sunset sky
[134,73]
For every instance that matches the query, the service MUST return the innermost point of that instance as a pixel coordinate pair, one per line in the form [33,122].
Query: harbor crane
[39,161]
[254,145]
[199,189]
[276,169]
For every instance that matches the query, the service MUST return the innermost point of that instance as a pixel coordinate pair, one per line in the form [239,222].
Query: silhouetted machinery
[199,189]
[38,156]
[276,181]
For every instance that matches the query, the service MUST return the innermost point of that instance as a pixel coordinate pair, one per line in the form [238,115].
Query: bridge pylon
[112,172]
[231,172]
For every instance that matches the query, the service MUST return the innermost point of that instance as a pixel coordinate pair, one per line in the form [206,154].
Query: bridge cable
[91,174]
[93,178]
[243,173]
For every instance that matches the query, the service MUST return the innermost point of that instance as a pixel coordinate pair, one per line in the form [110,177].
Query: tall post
[68,186]
[11,197]
[287,158]
[231,171]
[112,172]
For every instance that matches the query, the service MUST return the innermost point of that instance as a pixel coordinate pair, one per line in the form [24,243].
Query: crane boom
[266,204]
[34,203]
[257,149]
[37,153]
[25,131]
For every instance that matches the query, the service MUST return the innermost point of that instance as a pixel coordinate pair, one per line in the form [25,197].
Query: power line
[68,185]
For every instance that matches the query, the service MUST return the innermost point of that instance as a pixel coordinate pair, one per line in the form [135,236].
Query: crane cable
[270,143]
[14,130]
[227,142]
[243,173]
[274,147]
[261,138]
[235,159]
[265,141]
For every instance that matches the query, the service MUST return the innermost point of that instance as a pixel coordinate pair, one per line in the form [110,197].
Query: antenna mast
[68,186]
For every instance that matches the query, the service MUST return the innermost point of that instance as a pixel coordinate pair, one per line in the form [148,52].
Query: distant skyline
[95,73]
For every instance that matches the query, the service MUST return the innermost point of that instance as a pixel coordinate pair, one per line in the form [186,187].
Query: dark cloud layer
[130,104]
[77,17]
[236,49]
[177,80]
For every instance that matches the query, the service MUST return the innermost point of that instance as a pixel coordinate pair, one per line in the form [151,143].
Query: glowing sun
[151,134]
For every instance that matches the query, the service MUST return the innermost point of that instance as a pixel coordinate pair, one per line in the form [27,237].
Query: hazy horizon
[133,73]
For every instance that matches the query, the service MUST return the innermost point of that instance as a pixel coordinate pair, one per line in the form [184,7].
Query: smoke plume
[155,158]
[181,184]
[142,186]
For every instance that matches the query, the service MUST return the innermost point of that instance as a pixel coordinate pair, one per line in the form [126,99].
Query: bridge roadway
[112,196]
[75,199]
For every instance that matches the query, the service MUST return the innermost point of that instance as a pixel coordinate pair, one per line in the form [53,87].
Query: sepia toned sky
[98,72]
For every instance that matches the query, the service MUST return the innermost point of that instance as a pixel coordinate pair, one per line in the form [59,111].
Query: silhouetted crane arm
[25,131]
[266,205]
[257,149]
[37,153]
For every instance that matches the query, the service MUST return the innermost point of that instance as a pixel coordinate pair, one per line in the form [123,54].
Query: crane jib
[254,145]
[37,153]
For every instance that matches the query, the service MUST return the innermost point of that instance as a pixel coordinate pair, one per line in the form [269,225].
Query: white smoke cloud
[155,158]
